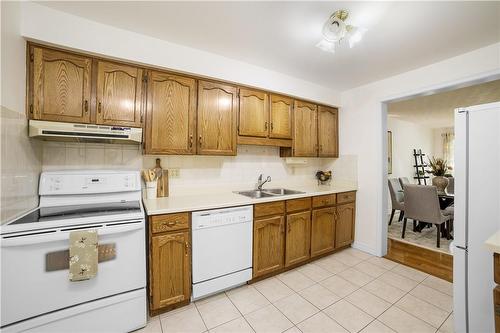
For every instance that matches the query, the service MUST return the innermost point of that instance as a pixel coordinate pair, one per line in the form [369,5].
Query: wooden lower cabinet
[344,228]
[170,269]
[268,245]
[298,238]
[322,231]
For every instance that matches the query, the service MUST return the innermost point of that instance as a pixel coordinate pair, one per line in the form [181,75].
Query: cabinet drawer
[346,197]
[269,208]
[169,222]
[298,204]
[324,200]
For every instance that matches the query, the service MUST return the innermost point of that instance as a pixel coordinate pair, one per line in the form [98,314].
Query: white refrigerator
[477,215]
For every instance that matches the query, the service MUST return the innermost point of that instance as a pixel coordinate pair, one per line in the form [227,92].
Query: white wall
[363,131]
[20,157]
[407,136]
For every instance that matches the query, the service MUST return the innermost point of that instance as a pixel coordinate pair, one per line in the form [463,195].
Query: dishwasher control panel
[221,217]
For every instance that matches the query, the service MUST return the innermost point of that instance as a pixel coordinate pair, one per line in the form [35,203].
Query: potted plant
[439,168]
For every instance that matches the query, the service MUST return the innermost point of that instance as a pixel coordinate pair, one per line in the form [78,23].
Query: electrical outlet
[173,173]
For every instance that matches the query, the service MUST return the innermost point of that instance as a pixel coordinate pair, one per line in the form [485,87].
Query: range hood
[51,130]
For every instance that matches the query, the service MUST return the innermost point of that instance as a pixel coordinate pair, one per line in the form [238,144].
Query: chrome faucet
[260,183]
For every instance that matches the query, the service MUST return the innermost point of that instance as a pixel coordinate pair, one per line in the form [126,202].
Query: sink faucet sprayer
[260,183]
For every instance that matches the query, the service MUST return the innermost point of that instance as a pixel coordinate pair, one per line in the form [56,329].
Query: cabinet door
[298,238]
[171,114]
[322,231]
[305,138]
[344,229]
[119,94]
[281,117]
[254,113]
[60,86]
[328,132]
[170,268]
[268,245]
[217,105]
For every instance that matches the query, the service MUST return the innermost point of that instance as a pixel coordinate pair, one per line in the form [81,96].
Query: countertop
[493,243]
[223,198]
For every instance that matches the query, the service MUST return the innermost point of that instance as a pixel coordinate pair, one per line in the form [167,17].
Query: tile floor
[349,291]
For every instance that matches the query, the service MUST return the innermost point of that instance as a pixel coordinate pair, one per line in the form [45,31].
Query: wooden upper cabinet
[60,86]
[344,229]
[217,113]
[322,231]
[268,245]
[119,94]
[281,117]
[170,268]
[298,238]
[305,136]
[328,132]
[171,114]
[254,113]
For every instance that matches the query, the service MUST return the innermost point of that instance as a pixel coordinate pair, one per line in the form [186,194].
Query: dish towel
[83,254]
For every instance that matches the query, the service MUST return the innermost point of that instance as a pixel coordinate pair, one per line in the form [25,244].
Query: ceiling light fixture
[335,30]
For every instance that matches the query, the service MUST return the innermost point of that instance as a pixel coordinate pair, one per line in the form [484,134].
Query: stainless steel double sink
[273,192]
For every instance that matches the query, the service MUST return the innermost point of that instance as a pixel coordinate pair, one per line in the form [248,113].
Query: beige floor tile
[402,322]
[218,312]
[210,298]
[382,262]
[410,273]
[238,325]
[315,272]
[385,291]
[320,323]
[358,253]
[153,326]
[434,297]
[422,310]
[349,316]
[293,330]
[439,284]
[247,299]
[370,269]
[268,320]
[331,265]
[376,327]
[346,258]
[273,289]
[296,308]
[176,311]
[319,296]
[188,321]
[354,276]
[295,280]
[398,281]
[447,326]
[368,302]
[339,286]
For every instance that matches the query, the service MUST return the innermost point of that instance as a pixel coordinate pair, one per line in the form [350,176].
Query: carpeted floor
[426,238]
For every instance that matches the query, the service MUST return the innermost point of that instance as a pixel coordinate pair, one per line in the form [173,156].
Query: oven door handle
[64,235]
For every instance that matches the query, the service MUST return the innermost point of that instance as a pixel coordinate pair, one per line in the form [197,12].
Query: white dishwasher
[222,249]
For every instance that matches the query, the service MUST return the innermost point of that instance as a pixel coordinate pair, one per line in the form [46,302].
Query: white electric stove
[37,295]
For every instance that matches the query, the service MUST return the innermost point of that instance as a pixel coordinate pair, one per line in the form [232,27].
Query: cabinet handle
[272,126]
[289,227]
[99,107]
[86,106]
[265,125]
[186,247]
[170,223]
[191,141]
[199,140]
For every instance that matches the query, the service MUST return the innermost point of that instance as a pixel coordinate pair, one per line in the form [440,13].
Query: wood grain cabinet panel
[253,113]
[298,238]
[119,94]
[171,114]
[269,208]
[170,268]
[328,132]
[217,106]
[60,86]
[305,136]
[322,231]
[324,200]
[268,245]
[344,228]
[281,117]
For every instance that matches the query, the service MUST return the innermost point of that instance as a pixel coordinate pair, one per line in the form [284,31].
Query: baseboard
[364,248]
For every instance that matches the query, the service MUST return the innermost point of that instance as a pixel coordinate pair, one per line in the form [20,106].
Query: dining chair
[397,199]
[403,181]
[450,189]
[422,204]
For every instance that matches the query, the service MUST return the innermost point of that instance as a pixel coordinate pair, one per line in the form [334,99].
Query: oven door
[35,275]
